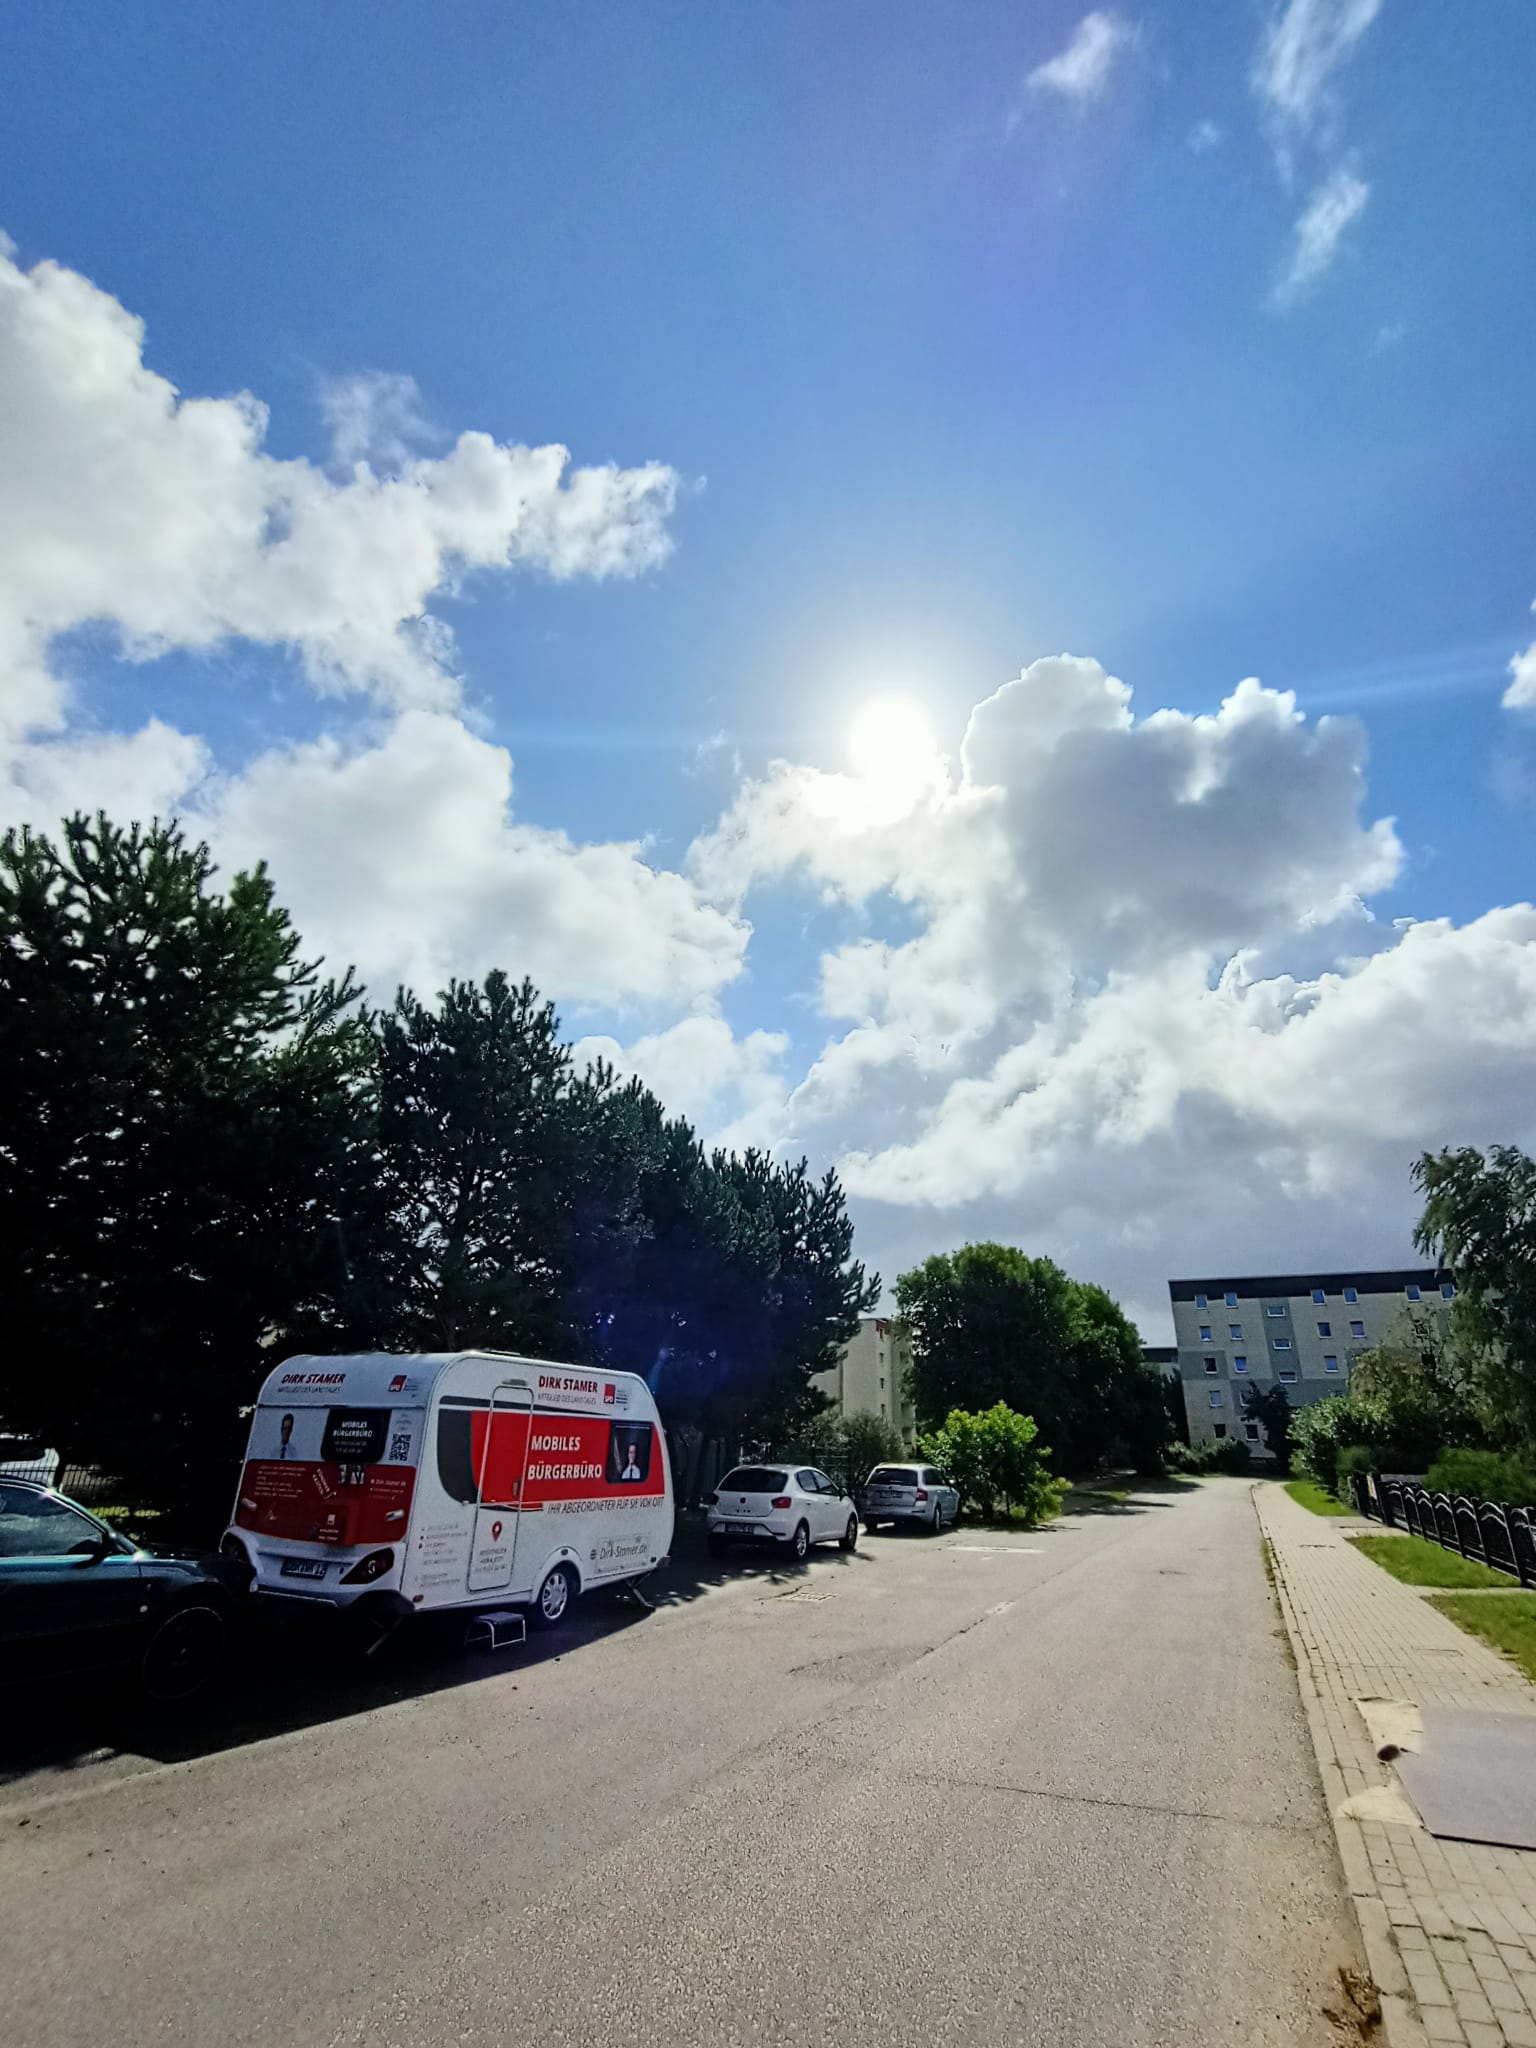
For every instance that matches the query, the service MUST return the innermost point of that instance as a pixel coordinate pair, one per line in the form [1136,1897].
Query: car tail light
[713,1501]
[922,1495]
[782,1501]
[232,1548]
[368,1568]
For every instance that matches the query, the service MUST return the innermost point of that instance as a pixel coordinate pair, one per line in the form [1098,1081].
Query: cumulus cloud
[1147,1020]
[1319,231]
[399,852]
[1521,694]
[404,857]
[1306,44]
[163,518]
[731,1089]
[1080,72]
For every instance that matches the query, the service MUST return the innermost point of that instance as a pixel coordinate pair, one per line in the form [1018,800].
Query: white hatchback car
[795,1506]
[910,1493]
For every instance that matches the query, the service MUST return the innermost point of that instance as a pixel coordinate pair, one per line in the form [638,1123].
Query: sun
[892,743]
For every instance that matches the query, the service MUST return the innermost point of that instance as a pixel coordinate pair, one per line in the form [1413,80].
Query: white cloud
[731,1089]
[399,852]
[1204,136]
[1146,1021]
[405,858]
[1521,694]
[1334,206]
[375,417]
[1306,43]
[124,504]
[140,775]
[1081,71]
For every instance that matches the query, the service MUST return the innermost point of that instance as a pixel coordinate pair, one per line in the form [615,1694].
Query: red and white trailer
[467,1480]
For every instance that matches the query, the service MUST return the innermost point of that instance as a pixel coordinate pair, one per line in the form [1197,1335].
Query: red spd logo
[608,1396]
[397,1384]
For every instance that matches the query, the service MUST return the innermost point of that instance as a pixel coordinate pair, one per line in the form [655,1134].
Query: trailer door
[500,1469]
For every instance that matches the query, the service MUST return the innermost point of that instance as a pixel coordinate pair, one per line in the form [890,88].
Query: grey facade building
[870,1378]
[1301,1331]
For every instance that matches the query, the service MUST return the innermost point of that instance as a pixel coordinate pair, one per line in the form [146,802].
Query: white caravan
[467,1480]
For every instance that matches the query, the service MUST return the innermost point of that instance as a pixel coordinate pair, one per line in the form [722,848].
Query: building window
[1275,1308]
[1230,1299]
[1447,1290]
[1330,1363]
[1215,1397]
[1319,1295]
[1279,1343]
[1210,1365]
[1205,1333]
[1325,1329]
[1251,1431]
[1413,1293]
[1351,1294]
[1287,1373]
[1357,1329]
[1201,1302]
[1239,1365]
[882,1383]
[1235,1332]
[1218,1429]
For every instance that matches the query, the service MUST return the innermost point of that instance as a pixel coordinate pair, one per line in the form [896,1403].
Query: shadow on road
[294,1674]
[1132,1497]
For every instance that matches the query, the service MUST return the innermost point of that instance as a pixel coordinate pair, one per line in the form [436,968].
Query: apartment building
[871,1376]
[1301,1331]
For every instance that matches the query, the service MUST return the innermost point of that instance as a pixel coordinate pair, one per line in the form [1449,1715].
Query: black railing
[1489,1532]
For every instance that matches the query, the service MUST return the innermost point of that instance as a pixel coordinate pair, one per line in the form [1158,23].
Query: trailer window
[354,1436]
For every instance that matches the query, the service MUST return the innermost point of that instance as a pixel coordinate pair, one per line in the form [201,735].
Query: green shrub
[1352,1459]
[995,1458]
[1483,1475]
[1228,1454]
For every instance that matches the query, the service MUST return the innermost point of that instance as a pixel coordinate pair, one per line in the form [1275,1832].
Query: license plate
[303,1568]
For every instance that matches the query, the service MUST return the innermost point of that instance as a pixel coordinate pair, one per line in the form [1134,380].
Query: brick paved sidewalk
[1449,1927]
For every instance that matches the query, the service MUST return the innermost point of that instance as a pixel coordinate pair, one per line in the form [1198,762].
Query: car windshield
[893,1475]
[752,1479]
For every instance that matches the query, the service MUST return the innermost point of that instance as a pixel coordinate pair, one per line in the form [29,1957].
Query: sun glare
[891,742]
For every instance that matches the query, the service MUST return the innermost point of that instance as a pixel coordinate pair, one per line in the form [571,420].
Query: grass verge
[1507,1625]
[1307,1495]
[1418,1563]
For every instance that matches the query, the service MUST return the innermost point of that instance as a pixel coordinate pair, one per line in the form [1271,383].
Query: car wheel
[183,1655]
[800,1543]
[851,1534]
[936,1526]
[553,1602]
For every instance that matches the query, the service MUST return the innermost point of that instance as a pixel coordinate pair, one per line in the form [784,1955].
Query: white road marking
[1001,1549]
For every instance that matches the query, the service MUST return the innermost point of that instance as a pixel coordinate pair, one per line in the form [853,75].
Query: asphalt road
[1046,1789]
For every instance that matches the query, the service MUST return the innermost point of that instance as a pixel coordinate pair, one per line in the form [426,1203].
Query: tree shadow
[293,1673]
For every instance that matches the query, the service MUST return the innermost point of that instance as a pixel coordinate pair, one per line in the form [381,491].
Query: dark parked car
[78,1600]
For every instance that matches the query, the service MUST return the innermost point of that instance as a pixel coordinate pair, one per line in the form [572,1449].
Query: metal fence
[87,1484]
[1489,1532]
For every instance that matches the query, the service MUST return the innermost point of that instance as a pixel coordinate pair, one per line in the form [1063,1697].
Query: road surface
[1015,1789]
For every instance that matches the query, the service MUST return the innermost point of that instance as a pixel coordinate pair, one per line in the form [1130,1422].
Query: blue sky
[964,335]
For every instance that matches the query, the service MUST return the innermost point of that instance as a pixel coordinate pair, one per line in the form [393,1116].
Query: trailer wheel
[553,1602]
